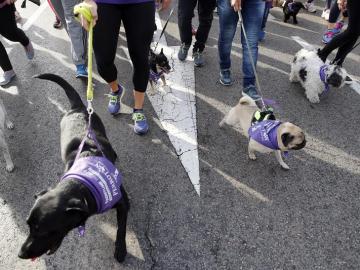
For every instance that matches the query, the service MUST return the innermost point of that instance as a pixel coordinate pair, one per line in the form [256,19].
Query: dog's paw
[314,99]
[285,166]
[120,254]
[10,167]
[9,125]
[252,156]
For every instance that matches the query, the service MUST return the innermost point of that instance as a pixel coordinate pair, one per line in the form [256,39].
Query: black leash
[164,28]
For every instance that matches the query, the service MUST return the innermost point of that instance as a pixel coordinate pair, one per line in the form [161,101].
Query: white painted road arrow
[175,106]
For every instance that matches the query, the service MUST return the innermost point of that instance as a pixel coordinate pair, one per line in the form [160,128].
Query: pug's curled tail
[247,101]
[73,96]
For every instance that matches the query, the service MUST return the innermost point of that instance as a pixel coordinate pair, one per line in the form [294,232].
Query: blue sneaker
[261,35]
[115,101]
[328,36]
[81,71]
[29,51]
[251,92]
[225,77]
[183,52]
[141,126]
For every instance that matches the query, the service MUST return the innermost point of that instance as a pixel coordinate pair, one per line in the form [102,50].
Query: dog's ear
[162,51]
[76,205]
[37,195]
[286,138]
[152,54]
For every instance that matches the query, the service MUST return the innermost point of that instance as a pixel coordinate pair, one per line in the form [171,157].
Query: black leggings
[10,31]
[138,21]
[346,40]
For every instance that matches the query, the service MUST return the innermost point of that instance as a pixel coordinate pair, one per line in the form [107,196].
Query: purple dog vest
[265,133]
[97,173]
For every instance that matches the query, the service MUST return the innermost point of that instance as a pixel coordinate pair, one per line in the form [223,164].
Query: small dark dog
[159,66]
[291,9]
[59,210]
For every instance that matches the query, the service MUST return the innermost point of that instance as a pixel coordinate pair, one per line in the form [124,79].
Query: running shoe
[225,77]
[183,52]
[251,92]
[115,101]
[7,77]
[141,126]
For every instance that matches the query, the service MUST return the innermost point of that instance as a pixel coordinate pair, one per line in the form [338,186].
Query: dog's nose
[22,254]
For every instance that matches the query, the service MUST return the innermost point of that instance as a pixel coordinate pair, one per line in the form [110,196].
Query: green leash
[84,10]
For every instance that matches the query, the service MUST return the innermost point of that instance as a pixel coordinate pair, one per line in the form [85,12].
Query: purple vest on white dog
[265,133]
[101,177]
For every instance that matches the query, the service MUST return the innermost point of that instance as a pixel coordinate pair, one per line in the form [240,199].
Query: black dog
[291,9]
[67,206]
[159,66]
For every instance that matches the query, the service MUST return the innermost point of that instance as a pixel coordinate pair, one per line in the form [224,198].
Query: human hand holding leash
[342,4]
[165,4]
[236,4]
[93,9]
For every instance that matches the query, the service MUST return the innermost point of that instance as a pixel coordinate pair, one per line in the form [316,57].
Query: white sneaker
[7,77]
[325,13]
[310,7]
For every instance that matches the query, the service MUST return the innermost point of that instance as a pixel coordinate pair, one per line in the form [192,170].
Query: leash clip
[90,108]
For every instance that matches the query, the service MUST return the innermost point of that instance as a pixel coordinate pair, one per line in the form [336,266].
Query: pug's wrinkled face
[292,137]
[336,76]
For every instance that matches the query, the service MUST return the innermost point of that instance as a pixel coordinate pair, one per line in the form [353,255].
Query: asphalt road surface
[251,215]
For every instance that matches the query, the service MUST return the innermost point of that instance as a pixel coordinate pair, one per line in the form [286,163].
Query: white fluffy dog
[315,76]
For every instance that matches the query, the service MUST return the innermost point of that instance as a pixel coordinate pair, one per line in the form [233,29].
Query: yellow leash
[84,10]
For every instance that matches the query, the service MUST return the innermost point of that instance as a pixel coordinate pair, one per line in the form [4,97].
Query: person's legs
[5,63]
[228,20]
[268,6]
[185,14]
[205,10]
[138,22]
[252,13]
[77,37]
[347,37]
[106,35]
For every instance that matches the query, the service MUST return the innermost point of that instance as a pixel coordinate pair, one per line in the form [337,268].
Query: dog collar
[155,76]
[265,133]
[323,77]
[290,7]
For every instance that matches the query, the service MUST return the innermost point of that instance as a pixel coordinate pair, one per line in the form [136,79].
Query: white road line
[175,107]
[303,43]
[35,16]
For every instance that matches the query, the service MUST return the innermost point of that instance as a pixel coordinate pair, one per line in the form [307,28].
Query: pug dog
[314,75]
[265,135]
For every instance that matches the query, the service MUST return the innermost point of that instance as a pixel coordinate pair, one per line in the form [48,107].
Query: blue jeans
[252,12]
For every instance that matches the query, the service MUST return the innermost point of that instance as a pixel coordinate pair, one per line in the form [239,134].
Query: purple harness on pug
[155,77]
[265,133]
[99,175]
[323,75]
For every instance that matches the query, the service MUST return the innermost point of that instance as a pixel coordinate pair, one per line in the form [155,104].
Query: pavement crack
[148,238]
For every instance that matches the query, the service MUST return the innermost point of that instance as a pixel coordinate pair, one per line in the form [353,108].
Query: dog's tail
[73,96]
[247,101]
